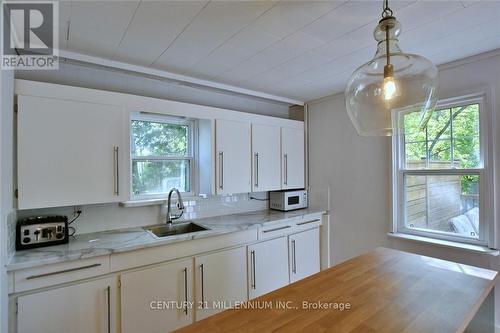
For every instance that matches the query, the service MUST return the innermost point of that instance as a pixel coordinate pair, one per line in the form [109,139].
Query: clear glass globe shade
[372,99]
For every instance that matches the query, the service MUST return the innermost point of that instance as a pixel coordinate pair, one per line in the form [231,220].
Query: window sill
[140,203]
[446,243]
[158,201]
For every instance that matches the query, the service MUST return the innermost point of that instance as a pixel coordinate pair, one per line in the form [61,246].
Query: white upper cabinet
[292,158]
[70,153]
[266,149]
[233,162]
[73,147]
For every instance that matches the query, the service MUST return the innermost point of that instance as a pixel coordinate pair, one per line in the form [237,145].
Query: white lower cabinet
[79,308]
[220,281]
[157,299]
[267,266]
[165,297]
[304,254]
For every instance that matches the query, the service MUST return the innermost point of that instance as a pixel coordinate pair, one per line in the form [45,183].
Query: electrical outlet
[77,210]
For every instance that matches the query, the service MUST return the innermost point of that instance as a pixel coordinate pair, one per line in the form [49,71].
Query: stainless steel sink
[175,229]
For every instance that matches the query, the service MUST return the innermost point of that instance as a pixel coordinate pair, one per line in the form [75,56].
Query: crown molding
[470,59]
[174,77]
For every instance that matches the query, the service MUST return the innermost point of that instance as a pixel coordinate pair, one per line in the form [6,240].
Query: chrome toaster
[41,231]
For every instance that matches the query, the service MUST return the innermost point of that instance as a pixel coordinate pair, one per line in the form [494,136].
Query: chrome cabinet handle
[276,229]
[61,272]
[117,171]
[294,260]
[256,169]
[185,291]
[286,169]
[221,170]
[202,286]
[252,254]
[307,222]
[108,294]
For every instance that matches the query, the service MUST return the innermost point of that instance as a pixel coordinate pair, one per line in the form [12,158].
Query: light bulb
[389,88]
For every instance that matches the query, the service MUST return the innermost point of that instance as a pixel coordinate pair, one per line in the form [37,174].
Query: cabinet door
[80,308]
[70,153]
[304,254]
[220,280]
[292,159]
[157,299]
[233,157]
[266,170]
[267,266]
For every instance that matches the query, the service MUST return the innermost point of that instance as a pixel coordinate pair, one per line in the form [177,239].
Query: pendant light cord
[387,12]
[387,53]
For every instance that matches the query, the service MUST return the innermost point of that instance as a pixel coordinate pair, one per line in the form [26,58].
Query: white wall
[357,170]
[7,213]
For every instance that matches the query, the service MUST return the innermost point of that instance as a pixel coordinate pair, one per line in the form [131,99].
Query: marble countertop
[129,239]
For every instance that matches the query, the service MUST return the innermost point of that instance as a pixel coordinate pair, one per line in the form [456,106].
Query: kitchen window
[161,156]
[440,173]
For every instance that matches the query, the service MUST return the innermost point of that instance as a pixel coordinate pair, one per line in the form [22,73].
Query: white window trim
[192,152]
[485,172]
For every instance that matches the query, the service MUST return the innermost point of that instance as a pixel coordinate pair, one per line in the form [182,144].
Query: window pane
[412,129]
[443,203]
[415,155]
[159,139]
[438,126]
[440,154]
[450,139]
[157,177]
[466,136]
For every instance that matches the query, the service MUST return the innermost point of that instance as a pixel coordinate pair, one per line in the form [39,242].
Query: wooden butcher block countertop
[385,290]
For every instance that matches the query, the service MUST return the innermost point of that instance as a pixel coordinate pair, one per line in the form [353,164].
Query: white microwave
[288,200]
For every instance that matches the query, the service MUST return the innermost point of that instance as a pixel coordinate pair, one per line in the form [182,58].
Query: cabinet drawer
[277,230]
[39,277]
[307,224]
[154,255]
[290,226]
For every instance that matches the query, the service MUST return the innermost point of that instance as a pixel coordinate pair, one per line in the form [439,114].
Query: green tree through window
[450,140]
[161,157]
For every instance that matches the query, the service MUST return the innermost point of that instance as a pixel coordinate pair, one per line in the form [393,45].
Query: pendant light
[392,81]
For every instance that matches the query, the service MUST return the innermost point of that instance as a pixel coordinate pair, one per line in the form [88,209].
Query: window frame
[192,151]
[399,171]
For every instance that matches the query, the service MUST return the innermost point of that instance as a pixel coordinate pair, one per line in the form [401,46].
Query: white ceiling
[296,49]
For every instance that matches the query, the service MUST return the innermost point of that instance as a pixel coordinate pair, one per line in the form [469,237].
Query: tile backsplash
[11,232]
[112,216]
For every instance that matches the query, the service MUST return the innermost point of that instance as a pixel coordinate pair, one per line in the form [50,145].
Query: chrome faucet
[180,206]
